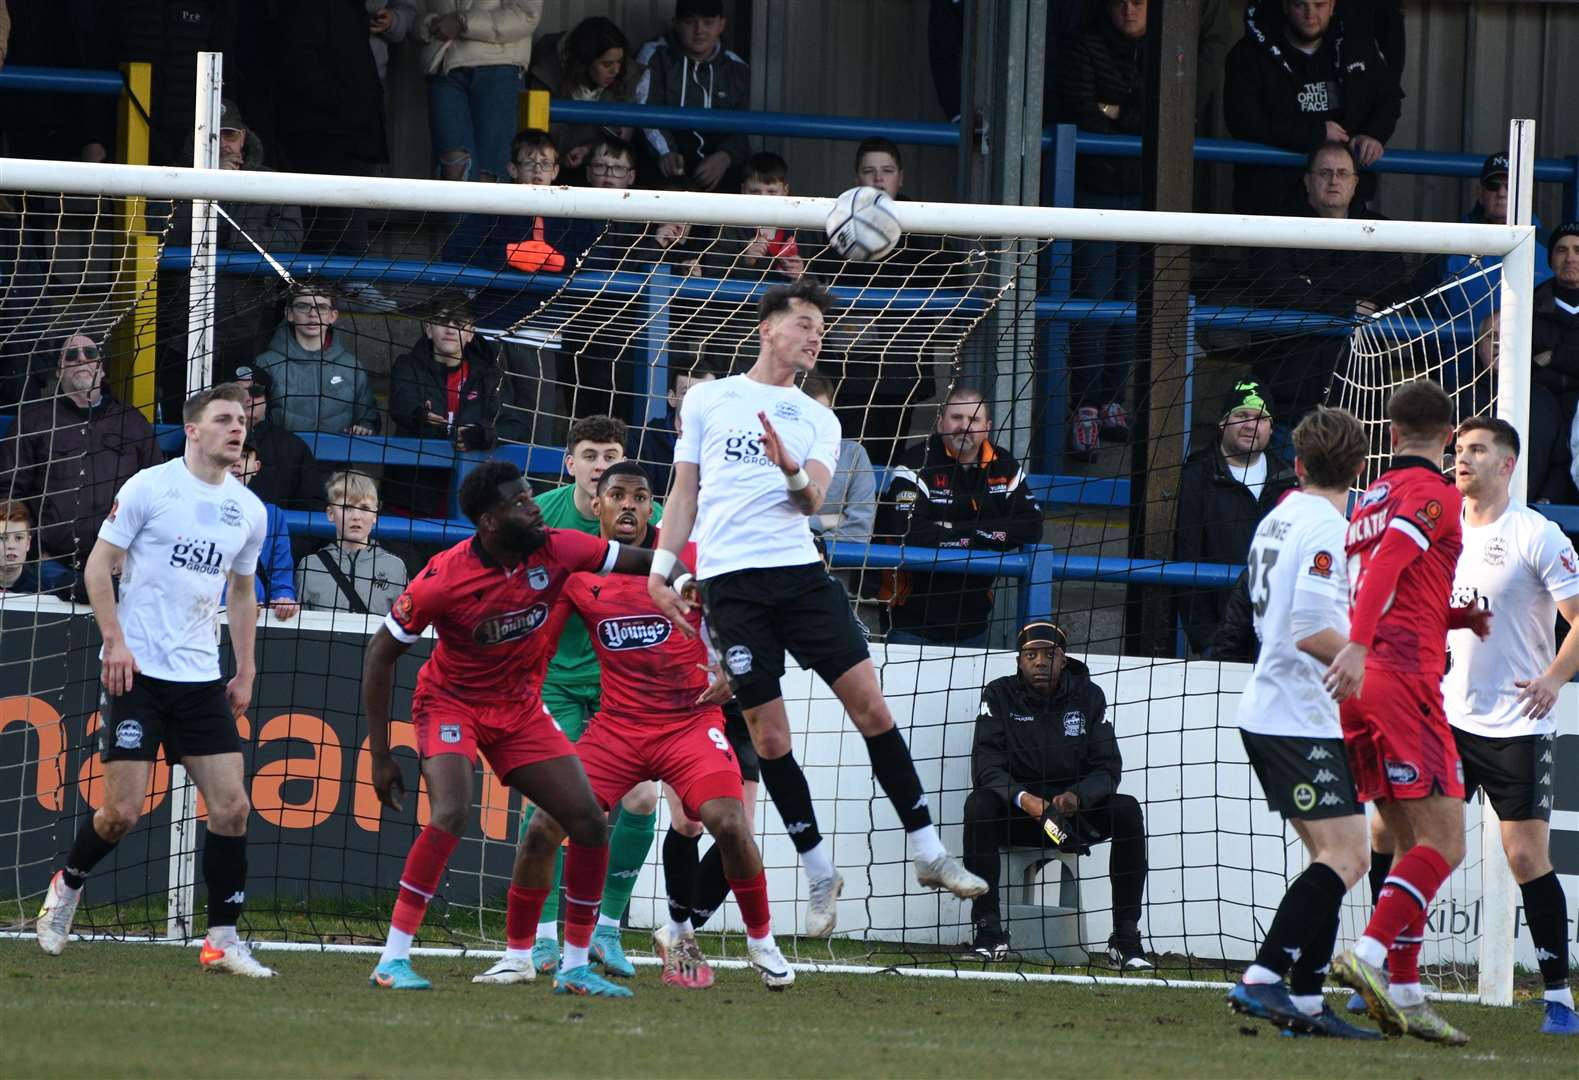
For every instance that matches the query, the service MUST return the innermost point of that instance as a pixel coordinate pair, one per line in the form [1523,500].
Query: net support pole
[1499,895]
[181,890]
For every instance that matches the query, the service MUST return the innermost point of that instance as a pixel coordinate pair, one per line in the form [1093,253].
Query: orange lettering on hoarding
[365,807]
[320,768]
[49,781]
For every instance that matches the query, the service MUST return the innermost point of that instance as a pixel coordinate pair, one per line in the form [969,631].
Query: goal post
[1218,860]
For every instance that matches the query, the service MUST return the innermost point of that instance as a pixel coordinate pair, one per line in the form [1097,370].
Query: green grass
[124,1010]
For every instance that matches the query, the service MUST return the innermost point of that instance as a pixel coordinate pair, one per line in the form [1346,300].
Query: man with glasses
[71,451]
[319,384]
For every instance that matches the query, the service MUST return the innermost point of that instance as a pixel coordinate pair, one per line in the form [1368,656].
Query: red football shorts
[1399,742]
[692,756]
[509,734]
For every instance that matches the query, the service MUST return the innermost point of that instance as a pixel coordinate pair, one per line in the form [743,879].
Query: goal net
[1104,350]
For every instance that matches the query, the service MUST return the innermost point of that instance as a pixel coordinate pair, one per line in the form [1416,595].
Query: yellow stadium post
[132,358]
[531,110]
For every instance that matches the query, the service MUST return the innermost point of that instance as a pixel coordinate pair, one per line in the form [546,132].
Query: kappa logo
[1304,797]
[510,626]
[537,577]
[1074,723]
[1544,954]
[237,897]
[738,660]
[795,828]
[128,735]
[634,632]
[1319,753]
[450,733]
[1402,772]
[1324,777]
[1330,799]
[230,513]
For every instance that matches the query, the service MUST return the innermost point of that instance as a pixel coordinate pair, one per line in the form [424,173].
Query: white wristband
[662,564]
[798,480]
[682,581]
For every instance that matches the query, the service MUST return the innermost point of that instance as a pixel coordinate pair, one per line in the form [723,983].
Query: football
[862,225]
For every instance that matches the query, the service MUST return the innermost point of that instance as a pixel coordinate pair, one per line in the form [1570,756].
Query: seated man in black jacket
[1046,761]
[959,490]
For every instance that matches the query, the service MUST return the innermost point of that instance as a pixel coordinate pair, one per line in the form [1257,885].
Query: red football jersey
[649,669]
[1414,498]
[488,617]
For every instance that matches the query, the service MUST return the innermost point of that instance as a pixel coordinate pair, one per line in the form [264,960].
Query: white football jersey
[1296,564]
[1518,567]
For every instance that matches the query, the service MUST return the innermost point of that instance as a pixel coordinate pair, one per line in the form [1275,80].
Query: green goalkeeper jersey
[574,661]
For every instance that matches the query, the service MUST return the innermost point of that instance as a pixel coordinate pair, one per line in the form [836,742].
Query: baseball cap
[1495,165]
[261,380]
[230,116]
[698,9]
[1247,394]
[1042,632]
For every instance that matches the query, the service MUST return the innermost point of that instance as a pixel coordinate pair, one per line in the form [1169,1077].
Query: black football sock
[1546,910]
[1309,972]
[791,795]
[679,872]
[1381,866]
[225,876]
[711,886]
[88,849]
[896,775]
[1307,904]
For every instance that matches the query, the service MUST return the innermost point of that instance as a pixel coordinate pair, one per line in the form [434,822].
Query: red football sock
[585,869]
[420,877]
[521,914]
[752,896]
[1414,881]
[1403,959]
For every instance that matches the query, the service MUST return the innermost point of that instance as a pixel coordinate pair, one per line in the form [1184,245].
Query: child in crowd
[354,573]
[275,587]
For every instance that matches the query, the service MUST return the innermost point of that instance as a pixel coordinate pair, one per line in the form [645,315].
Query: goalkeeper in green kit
[570,693]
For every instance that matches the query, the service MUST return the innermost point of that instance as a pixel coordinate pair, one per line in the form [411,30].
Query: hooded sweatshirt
[325,390]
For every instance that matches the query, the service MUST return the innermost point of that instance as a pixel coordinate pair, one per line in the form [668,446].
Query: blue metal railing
[62,80]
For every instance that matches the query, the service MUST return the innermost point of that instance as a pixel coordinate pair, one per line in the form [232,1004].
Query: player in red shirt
[488,599]
[658,720]
[1403,544]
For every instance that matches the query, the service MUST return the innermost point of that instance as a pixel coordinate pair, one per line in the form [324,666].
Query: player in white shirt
[1500,692]
[176,534]
[752,465]
[1298,587]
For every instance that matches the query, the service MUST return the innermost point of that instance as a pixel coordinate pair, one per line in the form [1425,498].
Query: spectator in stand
[288,475]
[388,23]
[1295,370]
[354,573]
[319,386]
[592,62]
[767,255]
[475,53]
[1554,346]
[1045,761]
[242,302]
[18,572]
[331,108]
[611,164]
[1296,80]
[1224,492]
[849,508]
[655,451]
[957,491]
[446,386]
[274,580]
[689,67]
[529,244]
[1102,88]
[68,454]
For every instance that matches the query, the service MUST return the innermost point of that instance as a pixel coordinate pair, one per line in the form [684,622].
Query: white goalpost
[1217,855]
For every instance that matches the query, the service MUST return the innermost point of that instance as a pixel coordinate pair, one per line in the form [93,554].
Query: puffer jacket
[317,391]
[497,32]
[670,77]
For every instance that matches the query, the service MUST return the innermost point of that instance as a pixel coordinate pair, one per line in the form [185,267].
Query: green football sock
[629,844]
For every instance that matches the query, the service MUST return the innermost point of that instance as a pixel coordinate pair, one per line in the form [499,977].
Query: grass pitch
[128,1010]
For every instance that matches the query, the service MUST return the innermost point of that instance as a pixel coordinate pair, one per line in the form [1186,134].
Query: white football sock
[607,920]
[548,931]
[523,955]
[678,930]
[1309,1004]
[923,844]
[1370,950]
[1561,994]
[1407,993]
[1256,975]
[396,947]
[818,866]
[575,956]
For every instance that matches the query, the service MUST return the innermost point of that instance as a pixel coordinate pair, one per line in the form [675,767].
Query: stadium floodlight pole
[1499,893]
[181,879]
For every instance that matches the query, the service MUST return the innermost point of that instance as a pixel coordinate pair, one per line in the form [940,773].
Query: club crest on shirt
[450,733]
[1373,496]
[634,631]
[230,513]
[1321,565]
[1570,564]
[738,660]
[1074,723]
[537,577]
[786,410]
[128,735]
[510,626]
[1495,552]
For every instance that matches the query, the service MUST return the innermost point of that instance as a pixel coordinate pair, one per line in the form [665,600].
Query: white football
[862,224]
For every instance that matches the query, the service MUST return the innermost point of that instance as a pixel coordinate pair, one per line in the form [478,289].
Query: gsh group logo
[199,556]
